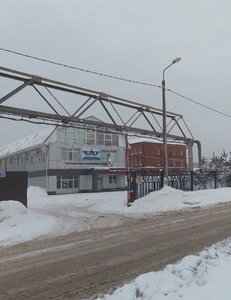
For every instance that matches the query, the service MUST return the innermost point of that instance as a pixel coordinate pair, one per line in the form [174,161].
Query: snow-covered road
[48,217]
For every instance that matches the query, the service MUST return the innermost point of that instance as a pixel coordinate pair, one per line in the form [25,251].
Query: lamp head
[176,60]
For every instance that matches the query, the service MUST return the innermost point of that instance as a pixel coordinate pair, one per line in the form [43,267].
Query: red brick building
[150,155]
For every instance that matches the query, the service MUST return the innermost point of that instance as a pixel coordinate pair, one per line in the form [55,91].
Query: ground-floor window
[67,182]
[112,179]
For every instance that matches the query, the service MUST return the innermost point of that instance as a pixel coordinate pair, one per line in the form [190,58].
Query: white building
[69,160]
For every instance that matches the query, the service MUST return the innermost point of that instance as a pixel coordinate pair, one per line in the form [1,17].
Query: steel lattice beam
[106,101]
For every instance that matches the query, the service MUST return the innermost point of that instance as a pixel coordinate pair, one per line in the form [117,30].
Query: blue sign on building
[90,154]
[2,174]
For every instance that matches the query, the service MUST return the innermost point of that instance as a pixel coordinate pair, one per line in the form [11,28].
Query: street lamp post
[165,150]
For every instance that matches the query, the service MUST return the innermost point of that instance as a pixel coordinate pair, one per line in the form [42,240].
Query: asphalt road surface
[84,265]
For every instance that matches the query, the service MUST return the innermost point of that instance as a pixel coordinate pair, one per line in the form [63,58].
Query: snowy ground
[62,214]
[205,276]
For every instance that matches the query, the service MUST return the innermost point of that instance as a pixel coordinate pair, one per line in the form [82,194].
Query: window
[3,163]
[108,139]
[80,136]
[140,162]
[115,140]
[90,135]
[158,162]
[105,155]
[27,156]
[158,151]
[72,154]
[42,157]
[181,152]
[67,182]
[71,136]
[99,138]
[173,151]
[62,135]
[112,179]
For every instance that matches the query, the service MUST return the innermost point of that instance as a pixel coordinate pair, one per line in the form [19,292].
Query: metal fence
[144,182]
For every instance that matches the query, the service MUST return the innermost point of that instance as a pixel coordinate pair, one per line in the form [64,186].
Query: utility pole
[129,192]
[165,150]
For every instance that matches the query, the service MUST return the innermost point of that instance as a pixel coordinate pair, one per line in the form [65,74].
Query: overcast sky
[132,39]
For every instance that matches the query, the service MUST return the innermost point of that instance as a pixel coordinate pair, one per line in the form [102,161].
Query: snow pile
[72,210]
[36,191]
[18,224]
[10,210]
[205,276]
[166,199]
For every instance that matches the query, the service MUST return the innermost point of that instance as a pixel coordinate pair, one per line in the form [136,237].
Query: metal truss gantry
[139,119]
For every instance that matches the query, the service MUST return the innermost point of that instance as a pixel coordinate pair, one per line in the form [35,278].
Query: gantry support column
[190,156]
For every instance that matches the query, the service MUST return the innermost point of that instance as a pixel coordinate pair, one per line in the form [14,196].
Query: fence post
[134,185]
[192,178]
[215,179]
[161,179]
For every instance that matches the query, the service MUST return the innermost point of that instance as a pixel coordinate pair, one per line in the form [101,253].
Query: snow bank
[36,191]
[11,209]
[166,199]
[202,276]
[18,224]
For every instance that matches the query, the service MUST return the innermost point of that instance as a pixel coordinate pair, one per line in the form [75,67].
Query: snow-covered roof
[92,118]
[137,140]
[25,143]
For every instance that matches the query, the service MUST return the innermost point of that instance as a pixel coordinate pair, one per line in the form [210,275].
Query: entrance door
[99,183]
[67,184]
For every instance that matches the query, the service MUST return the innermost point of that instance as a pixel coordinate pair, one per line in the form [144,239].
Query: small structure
[69,160]
[13,186]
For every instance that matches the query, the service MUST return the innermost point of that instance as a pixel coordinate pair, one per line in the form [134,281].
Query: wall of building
[30,160]
[63,156]
[85,182]
[52,184]
[147,154]
[38,181]
[52,165]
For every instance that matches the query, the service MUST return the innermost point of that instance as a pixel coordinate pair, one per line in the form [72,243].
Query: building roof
[28,142]
[140,140]
[137,140]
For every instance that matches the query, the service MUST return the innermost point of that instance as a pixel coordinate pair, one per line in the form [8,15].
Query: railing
[146,181]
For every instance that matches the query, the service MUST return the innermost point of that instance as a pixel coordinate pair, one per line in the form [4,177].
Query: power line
[79,69]
[198,103]
[114,77]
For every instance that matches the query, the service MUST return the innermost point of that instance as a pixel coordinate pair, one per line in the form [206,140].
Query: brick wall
[146,154]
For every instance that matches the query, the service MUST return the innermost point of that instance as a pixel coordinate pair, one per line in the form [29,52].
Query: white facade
[69,160]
